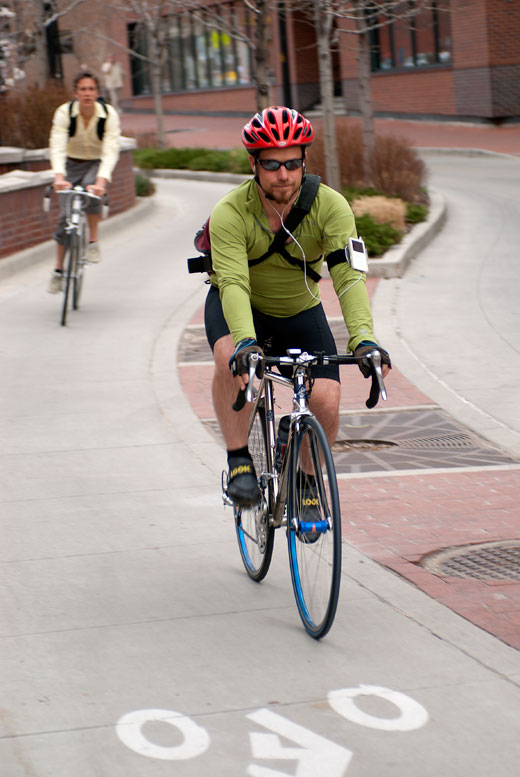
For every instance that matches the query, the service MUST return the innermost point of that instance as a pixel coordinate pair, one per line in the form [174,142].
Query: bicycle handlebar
[296,358]
[74,190]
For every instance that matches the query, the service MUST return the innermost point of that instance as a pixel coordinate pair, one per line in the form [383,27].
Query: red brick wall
[482,81]
[235,100]
[427,91]
[24,224]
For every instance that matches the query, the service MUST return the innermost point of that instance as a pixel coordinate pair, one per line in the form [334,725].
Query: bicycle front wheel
[314,528]
[71,263]
[255,533]
[80,267]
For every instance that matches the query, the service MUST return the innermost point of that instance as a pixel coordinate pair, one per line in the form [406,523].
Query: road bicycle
[297,482]
[77,240]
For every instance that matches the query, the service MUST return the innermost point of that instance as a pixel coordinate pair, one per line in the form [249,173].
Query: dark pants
[308,330]
[79,174]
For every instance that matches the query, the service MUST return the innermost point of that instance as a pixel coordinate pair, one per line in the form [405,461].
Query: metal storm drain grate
[408,439]
[361,445]
[487,561]
[455,440]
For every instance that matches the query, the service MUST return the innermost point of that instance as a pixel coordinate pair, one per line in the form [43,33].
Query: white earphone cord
[290,234]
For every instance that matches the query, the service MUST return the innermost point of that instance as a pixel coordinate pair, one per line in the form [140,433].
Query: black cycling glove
[365,348]
[239,364]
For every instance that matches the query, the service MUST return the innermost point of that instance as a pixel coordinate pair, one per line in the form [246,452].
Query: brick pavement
[224,132]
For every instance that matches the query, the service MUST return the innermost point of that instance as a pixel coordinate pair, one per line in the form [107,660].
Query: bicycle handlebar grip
[373,398]
[240,401]
[46,205]
[377,388]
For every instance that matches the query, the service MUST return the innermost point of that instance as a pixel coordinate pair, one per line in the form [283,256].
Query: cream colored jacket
[85,144]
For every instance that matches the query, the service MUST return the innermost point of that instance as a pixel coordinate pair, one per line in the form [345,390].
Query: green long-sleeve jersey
[239,231]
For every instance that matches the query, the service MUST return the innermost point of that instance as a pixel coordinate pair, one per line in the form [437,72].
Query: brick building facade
[458,59]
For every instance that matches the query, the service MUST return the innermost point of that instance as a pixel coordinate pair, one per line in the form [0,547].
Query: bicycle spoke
[314,531]
[254,533]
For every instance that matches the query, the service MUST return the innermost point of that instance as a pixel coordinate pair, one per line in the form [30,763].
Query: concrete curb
[193,175]
[395,261]
[44,251]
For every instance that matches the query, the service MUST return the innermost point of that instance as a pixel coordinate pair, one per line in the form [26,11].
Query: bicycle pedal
[225,496]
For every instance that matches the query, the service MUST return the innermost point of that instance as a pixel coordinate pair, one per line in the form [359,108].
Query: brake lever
[376,361]
[246,395]
[253,361]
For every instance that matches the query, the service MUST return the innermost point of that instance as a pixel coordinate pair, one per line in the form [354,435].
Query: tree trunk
[323,23]
[155,73]
[42,59]
[262,58]
[365,104]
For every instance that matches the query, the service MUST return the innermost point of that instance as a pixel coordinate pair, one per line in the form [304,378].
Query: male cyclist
[275,304]
[84,149]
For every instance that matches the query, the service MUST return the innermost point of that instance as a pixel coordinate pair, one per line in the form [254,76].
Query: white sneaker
[55,282]
[93,253]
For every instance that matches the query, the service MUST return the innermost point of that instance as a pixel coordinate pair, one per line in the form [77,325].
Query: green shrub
[167,158]
[378,237]
[144,187]
[234,161]
[239,161]
[416,213]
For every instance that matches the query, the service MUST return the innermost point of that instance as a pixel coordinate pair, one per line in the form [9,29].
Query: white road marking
[412,714]
[315,754]
[129,731]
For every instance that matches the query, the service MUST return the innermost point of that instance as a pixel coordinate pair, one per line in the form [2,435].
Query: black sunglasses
[274,164]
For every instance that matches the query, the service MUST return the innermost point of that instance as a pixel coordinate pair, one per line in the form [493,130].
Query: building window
[421,40]
[203,51]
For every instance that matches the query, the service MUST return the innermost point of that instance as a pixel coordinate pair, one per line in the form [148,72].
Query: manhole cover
[487,561]
[361,445]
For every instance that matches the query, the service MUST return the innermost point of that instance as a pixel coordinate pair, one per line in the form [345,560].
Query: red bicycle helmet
[277,127]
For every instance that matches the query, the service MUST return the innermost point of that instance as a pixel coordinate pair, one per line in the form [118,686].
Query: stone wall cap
[24,179]
[14,154]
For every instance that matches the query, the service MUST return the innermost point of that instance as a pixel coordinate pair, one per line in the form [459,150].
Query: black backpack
[101,121]
[301,208]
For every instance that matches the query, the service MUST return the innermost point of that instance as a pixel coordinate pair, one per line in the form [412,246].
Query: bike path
[132,641]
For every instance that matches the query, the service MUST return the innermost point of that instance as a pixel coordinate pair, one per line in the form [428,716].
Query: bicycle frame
[300,408]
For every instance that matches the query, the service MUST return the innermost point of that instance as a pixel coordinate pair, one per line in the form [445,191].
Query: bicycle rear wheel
[255,535]
[314,528]
[72,251]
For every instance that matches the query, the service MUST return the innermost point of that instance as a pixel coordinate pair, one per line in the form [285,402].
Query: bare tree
[151,16]
[362,17]
[27,34]
[323,21]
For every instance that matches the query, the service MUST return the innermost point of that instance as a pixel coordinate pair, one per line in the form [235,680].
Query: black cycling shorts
[308,330]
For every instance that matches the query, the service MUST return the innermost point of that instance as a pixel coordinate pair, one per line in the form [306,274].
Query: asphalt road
[132,643]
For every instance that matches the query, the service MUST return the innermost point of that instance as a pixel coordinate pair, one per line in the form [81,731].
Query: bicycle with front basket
[297,481]
[76,246]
